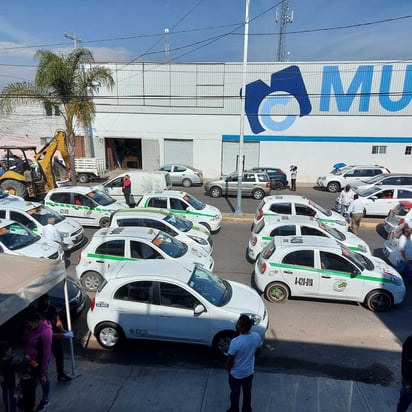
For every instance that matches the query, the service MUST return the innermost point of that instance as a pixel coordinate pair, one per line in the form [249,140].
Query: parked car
[334,182]
[254,184]
[392,179]
[109,245]
[183,175]
[162,219]
[16,239]
[391,246]
[184,204]
[271,227]
[294,205]
[315,267]
[90,207]
[35,215]
[380,200]
[186,303]
[400,214]
[278,178]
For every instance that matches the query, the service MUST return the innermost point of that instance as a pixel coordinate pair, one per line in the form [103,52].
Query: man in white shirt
[50,232]
[405,247]
[355,211]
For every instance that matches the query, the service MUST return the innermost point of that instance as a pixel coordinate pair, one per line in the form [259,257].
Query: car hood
[40,249]
[116,206]
[197,254]
[384,268]
[68,225]
[245,300]
[352,241]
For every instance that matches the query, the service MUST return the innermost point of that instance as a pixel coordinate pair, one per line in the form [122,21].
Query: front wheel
[378,301]
[91,281]
[277,185]
[222,341]
[83,178]
[215,191]
[277,292]
[186,183]
[333,187]
[258,194]
[104,222]
[14,187]
[109,335]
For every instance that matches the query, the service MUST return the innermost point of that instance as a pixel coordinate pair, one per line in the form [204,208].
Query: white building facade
[312,115]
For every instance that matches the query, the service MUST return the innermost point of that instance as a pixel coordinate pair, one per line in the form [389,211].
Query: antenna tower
[283,17]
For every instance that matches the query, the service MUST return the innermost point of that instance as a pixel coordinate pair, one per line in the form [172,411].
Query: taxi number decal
[64,211]
[304,282]
[139,332]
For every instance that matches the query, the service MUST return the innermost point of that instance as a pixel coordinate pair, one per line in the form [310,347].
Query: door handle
[289,272]
[99,261]
[326,277]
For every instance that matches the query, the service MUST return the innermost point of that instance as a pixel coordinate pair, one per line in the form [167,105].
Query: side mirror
[373,197]
[354,273]
[199,309]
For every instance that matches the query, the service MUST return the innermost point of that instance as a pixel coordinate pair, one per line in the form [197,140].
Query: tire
[258,194]
[333,187]
[91,280]
[277,185]
[222,341]
[186,182]
[14,187]
[215,191]
[83,178]
[379,301]
[206,226]
[109,335]
[277,292]
[104,222]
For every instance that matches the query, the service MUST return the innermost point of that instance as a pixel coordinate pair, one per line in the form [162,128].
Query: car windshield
[16,236]
[196,203]
[101,197]
[170,245]
[370,191]
[214,289]
[179,222]
[42,213]
[333,232]
[361,261]
[320,209]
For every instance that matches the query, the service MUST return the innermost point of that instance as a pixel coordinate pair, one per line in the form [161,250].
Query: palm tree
[63,81]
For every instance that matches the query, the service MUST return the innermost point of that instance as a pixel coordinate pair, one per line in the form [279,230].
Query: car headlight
[397,281]
[64,234]
[216,217]
[339,222]
[254,318]
[362,248]
[199,240]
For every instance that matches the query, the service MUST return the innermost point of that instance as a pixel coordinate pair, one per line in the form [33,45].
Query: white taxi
[35,215]
[110,245]
[273,226]
[322,268]
[399,215]
[391,246]
[90,207]
[186,303]
[16,239]
[184,204]
[162,219]
[294,205]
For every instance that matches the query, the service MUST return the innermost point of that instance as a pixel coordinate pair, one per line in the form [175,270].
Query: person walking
[405,397]
[293,174]
[405,248]
[344,199]
[355,211]
[127,189]
[49,312]
[50,231]
[8,369]
[241,364]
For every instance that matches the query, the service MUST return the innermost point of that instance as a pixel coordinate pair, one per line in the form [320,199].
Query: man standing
[127,189]
[355,211]
[50,232]
[241,364]
[405,247]
[405,397]
[293,174]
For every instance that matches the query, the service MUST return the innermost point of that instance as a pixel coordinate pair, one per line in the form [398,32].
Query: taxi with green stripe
[111,245]
[294,205]
[186,205]
[270,227]
[322,268]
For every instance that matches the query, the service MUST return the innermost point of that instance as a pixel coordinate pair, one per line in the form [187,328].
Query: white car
[293,205]
[35,215]
[379,201]
[391,179]
[184,204]
[162,219]
[391,246]
[110,245]
[90,207]
[163,300]
[274,226]
[322,268]
[400,214]
[16,239]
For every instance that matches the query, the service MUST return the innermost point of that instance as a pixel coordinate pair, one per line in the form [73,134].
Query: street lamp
[72,37]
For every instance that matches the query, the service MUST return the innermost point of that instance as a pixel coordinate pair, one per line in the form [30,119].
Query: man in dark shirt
[405,398]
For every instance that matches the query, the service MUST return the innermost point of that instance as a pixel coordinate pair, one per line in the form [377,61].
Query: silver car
[183,175]
[391,179]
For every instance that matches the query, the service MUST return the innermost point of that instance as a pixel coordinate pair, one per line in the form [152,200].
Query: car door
[380,203]
[107,253]
[336,280]
[137,249]
[32,224]
[115,188]
[176,317]
[304,210]
[133,304]
[299,272]
[83,209]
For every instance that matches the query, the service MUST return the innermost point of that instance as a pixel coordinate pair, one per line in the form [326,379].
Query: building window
[408,150]
[378,149]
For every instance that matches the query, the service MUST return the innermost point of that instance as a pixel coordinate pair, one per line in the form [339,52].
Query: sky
[201,31]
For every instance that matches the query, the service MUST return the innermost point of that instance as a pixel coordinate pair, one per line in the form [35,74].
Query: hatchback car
[35,215]
[278,178]
[16,239]
[183,175]
[391,246]
[379,201]
[256,185]
[271,227]
[392,179]
[90,207]
[186,205]
[400,214]
[314,267]
[162,219]
[334,182]
[163,300]
[109,245]
[293,205]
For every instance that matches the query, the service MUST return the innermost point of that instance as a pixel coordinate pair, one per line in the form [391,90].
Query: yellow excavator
[32,179]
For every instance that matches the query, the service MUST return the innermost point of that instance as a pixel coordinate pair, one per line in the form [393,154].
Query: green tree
[65,81]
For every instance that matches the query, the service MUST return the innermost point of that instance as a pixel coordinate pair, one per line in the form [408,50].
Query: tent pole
[69,324]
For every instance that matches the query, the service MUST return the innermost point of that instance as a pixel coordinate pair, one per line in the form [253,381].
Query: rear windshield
[400,210]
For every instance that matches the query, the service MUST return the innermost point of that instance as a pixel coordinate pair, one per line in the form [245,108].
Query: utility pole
[74,38]
[167,49]
[283,17]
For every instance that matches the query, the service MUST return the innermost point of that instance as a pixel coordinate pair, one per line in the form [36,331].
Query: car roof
[7,203]
[142,211]
[75,189]
[406,203]
[165,193]
[289,220]
[127,231]
[285,198]
[306,241]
